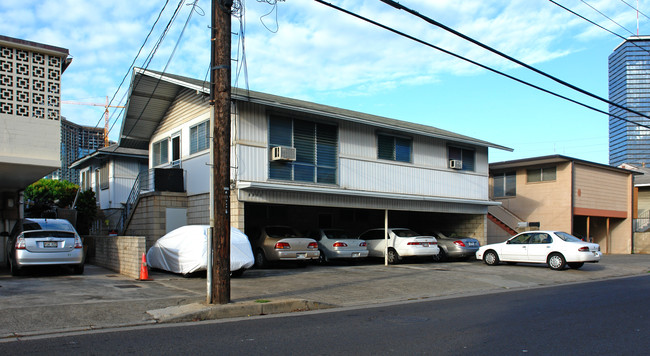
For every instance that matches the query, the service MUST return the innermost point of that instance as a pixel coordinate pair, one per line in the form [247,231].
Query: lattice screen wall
[30,84]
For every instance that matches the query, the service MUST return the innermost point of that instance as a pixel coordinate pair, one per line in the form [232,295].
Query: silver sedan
[282,243]
[454,246]
[38,242]
[337,244]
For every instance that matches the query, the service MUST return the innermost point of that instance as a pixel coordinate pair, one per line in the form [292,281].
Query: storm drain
[127,286]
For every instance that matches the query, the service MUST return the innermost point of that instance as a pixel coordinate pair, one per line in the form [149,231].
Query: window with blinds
[393,148]
[466,155]
[199,137]
[160,154]
[316,147]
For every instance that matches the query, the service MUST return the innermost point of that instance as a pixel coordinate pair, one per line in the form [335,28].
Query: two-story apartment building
[30,113]
[302,164]
[587,199]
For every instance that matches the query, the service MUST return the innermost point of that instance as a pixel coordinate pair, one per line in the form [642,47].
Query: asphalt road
[604,317]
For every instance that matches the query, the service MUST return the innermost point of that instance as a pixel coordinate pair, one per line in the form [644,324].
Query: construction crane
[106,106]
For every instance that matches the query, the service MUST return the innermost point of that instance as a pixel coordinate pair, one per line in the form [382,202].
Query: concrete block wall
[198,210]
[122,254]
[642,242]
[471,226]
[149,217]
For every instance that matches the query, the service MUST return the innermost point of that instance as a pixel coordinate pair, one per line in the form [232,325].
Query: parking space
[101,298]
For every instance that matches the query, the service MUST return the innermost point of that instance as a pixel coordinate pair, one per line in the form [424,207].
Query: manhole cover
[127,286]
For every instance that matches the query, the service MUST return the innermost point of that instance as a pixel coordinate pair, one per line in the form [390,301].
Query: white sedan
[556,248]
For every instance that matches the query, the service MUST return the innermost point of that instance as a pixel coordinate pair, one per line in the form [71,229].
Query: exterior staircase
[503,218]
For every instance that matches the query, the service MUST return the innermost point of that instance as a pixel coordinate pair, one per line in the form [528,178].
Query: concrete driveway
[44,301]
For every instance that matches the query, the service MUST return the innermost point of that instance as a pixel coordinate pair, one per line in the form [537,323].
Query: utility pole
[220,101]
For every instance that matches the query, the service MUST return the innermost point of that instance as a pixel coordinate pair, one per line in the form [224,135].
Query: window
[176,149]
[160,155]
[199,137]
[505,184]
[103,176]
[316,147]
[464,155]
[393,148]
[541,174]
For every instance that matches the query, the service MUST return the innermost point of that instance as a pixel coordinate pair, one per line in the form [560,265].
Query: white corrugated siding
[343,201]
[402,179]
[187,105]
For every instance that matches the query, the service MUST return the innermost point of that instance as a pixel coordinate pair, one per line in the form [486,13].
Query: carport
[312,208]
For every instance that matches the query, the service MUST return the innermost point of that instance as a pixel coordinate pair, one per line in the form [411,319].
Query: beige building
[589,200]
[30,125]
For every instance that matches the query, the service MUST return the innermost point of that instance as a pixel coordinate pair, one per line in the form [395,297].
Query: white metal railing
[505,216]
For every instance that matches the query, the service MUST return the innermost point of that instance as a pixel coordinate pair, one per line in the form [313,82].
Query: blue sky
[315,53]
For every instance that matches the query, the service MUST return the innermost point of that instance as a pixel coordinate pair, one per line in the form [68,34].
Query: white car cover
[185,250]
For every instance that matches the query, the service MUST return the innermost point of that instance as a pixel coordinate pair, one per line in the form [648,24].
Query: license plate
[300,255]
[50,244]
[425,244]
[356,254]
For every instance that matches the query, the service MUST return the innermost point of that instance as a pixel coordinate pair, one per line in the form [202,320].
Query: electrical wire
[474,62]
[510,58]
[636,9]
[154,50]
[599,26]
[136,56]
[607,17]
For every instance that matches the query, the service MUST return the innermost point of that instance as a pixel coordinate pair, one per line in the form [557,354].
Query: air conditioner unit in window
[455,164]
[280,153]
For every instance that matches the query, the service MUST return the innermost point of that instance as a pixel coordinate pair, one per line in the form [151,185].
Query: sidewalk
[42,303]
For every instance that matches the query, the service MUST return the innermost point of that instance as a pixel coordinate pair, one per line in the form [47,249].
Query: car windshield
[281,232]
[405,233]
[43,233]
[567,237]
[336,234]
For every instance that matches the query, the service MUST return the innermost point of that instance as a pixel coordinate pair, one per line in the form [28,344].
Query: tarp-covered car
[185,250]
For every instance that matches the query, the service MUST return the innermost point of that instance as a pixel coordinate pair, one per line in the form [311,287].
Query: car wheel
[441,256]
[575,265]
[393,257]
[491,258]
[322,258]
[556,261]
[260,259]
[238,273]
[13,268]
[78,269]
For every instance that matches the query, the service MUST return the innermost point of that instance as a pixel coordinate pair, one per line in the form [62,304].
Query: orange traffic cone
[144,270]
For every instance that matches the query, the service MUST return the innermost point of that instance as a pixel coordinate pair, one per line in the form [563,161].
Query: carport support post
[385,237]
[220,101]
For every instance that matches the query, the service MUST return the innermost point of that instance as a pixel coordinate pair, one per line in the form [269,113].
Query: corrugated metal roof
[142,113]
[112,150]
[550,160]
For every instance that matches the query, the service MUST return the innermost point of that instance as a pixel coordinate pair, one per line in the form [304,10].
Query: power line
[595,24]
[474,62]
[137,55]
[153,52]
[510,58]
[635,8]
[607,17]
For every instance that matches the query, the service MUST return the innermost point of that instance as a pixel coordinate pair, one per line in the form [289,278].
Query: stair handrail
[140,184]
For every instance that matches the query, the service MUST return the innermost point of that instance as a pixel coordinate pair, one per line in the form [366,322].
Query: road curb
[203,311]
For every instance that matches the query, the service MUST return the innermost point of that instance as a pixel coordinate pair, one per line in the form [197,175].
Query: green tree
[86,211]
[48,193]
